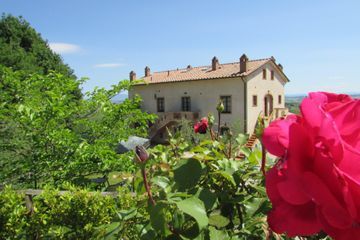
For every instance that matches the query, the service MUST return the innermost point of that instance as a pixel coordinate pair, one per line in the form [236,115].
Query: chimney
[243,63]
[215,63]
[132,76]
[280,66]
[147,71]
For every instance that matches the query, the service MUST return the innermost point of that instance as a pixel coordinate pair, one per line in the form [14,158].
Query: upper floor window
[254,100]
[279,99]
[226,100]
[272,75]
[160,104]
[185,104]
[264,73]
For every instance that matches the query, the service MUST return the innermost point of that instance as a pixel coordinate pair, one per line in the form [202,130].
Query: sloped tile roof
[226,70]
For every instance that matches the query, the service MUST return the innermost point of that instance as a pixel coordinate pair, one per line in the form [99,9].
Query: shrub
[76,214]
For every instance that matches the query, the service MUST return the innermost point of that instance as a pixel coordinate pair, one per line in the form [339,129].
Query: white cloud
[64,48]
[109,65]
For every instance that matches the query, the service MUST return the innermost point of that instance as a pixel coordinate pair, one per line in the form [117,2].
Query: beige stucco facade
[205,95]
[257,86]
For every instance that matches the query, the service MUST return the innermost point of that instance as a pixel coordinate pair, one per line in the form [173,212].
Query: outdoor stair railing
[275,114]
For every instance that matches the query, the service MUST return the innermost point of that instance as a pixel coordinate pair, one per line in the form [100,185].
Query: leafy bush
[13,214]
[76,214]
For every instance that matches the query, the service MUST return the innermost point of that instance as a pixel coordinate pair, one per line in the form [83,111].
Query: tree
[22,48]
[50,136]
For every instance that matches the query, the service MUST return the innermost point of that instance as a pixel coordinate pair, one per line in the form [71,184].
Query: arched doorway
[268,104]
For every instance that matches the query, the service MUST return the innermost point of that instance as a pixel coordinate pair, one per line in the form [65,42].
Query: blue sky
[317,42]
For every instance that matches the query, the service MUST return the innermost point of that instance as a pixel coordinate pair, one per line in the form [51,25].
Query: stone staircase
[249,144]
[169,118]
[277,113]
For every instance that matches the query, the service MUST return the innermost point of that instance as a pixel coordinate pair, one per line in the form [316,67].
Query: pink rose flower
[315,186]
[202,126]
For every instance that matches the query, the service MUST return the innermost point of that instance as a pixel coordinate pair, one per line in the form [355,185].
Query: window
[254,100]
[227,103]
[279,99]
[160,104]
[264,73]
[185,104]
[272,75]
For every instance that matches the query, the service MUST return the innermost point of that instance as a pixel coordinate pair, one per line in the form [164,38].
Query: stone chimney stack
[215,64]
[281,67]
[132,76]
[147,71]
[243,63]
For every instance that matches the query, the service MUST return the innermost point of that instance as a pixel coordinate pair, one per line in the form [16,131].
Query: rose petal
[291,191]
[311,113]
[276,135]
[300,220]
[272,179]
[331,209]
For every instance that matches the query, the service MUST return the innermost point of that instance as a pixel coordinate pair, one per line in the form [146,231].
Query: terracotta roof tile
[226,70]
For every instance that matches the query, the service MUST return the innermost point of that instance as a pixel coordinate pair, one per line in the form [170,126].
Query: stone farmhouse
[247,88]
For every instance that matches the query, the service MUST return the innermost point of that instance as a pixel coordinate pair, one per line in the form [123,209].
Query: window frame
[255,103]
[264,74]
[279,99]
[160,107]
[186,104]
[226,100]
[272,75]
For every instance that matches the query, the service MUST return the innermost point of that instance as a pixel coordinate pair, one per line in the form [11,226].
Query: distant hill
[293,101]
[120,97]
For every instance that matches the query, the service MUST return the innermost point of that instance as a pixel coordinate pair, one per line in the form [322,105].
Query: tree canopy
[50,136]
[22,48]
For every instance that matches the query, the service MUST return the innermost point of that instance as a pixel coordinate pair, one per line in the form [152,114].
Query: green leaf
[127,214]
[253,205]
[241,139]
[195,208]
[246,151]
[161,181]
[215,234]
[218,220]
[187,174]
[227,176]
[208,198]
[157,217]
[111,230]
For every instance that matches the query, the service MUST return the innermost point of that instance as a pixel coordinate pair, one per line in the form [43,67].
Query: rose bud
[141,155]
[220,107]
[211,119]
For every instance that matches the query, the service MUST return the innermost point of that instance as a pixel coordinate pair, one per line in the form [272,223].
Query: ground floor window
[226,100]
[160,104]
[185,104]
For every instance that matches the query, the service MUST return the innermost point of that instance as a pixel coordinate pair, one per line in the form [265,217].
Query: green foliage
[203,193]
[200,190]
[76,214]
[13,214]
[22,48]
[50,136]
[293,106]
